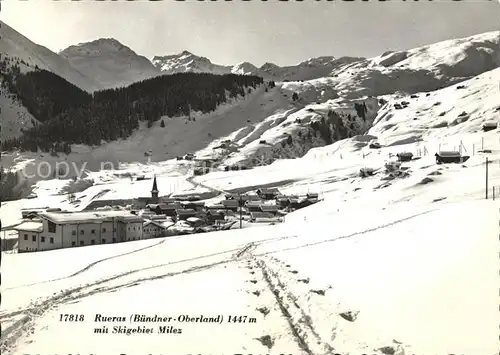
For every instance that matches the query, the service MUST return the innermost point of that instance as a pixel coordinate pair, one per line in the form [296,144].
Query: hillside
[72,116]
[393,120]
[111,63]
[14,45]
[17,50]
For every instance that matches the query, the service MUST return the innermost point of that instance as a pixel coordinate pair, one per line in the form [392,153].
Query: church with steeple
[154,192]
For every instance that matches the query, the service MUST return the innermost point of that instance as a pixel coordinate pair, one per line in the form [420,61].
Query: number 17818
[71,318]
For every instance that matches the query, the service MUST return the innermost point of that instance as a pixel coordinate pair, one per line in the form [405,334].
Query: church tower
[154,191]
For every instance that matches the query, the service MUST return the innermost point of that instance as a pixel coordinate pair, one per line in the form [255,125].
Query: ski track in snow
[89,266]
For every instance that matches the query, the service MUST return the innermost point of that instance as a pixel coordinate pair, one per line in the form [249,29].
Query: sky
[284,33]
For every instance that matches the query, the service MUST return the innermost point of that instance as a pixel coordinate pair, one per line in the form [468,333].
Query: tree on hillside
[162,124]
[68,115]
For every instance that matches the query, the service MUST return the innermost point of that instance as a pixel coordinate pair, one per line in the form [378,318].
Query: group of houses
[48,229]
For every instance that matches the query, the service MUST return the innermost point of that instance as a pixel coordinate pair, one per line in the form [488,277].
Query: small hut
[444,157]
[404,156]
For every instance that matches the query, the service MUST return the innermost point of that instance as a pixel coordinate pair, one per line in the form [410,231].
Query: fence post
[493,196]
[463,147]
[482,143]
[487,162]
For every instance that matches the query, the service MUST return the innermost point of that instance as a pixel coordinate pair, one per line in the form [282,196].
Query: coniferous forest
[70,115]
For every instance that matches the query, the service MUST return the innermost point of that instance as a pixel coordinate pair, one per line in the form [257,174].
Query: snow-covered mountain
[416,69]
[187,62]
[109,62]
[310,69]
[15,45]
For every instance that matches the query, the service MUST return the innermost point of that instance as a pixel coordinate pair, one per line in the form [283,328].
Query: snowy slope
[421,69]
[402,119]
[111,63]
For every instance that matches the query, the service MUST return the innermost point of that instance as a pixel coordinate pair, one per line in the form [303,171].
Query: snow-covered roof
[186,211]
[230,203]
[30,226]
[85,217]
[194,220]
[261,215]
[159,223]
[448,154]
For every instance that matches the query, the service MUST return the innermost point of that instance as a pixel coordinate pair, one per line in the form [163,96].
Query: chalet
[253,206]
[312,196]
[404,156]
[199,171]
[250,197]
[448,157]
[183,214]
[213,216]
[391,166]
[282,201]
[193,205]
[489,126]
[268,193]
[195,221]
[205,162]
[273,209]
[262,217]
[167,209]
[29,236]
[231,205]
[293,202]
[155,228]
[216,207]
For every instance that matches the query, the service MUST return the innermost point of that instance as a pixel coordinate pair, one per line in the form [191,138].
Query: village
[153,217]
[117,221]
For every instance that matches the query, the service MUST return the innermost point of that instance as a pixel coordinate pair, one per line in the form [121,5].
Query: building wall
[151,231]
[122,232]
[26,245]
[133,230]
[81,234]
[109,232]
[52,236]
[56,236]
